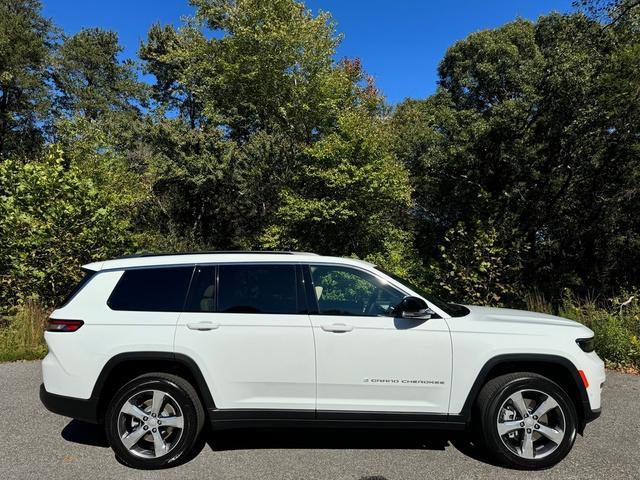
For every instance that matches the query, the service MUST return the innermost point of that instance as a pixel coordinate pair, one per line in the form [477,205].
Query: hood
[520,316]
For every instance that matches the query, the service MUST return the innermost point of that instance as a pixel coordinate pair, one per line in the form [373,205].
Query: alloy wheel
[531,424]
[150,424]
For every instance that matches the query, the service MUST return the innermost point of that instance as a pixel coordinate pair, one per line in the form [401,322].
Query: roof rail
[212,252]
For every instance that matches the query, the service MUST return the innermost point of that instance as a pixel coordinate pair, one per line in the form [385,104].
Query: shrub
[615,322]
[52,219]
[475,267]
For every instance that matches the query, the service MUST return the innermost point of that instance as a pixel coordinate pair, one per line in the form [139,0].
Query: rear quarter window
[152,289]
[88,275]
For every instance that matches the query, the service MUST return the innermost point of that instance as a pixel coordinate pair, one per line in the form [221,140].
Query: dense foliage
[51,218]
[530,146]
[519,174]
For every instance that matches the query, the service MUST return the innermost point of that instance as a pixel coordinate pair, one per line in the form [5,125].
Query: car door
[367,360]
[250,334]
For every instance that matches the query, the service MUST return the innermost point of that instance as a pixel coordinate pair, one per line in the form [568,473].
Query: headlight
[586,344]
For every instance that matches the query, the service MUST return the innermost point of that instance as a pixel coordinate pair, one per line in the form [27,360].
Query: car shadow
[325,438]
[345,439]
[303,438]
[85,434]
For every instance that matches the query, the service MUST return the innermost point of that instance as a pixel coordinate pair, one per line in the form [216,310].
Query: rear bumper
[78,408]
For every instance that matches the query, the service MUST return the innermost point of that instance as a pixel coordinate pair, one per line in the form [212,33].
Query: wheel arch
[558,369]
[126,366]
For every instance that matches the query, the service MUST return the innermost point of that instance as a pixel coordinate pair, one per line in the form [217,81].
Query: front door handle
[202,326]
[337,327]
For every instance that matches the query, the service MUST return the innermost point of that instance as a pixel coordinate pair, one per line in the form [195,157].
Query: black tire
[489,406]
[193,416]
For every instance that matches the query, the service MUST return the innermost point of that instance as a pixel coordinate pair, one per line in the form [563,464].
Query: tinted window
[257,289]
[152,289]
[346,291]
[202,294]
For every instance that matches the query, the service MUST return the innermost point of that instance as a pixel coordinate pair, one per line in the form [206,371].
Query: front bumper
[78,408]
[591,415]
[593,368]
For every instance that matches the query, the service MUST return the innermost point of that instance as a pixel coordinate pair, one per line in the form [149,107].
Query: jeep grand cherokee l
[154,346]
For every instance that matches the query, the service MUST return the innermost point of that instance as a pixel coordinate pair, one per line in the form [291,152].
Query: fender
[89,410]
[584,408]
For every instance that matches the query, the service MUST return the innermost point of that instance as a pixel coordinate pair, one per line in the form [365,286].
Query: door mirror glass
[413,307]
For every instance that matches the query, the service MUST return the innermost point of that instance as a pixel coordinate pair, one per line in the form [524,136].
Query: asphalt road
[36,444]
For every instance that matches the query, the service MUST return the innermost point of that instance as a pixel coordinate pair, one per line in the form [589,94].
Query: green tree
[476,268]
[91,80]
[52,218]
[533,130]
[99,120]
[267,67]
[268,70]
[196,185]
[611,12]
[350,197]
[92,150]
[235,112]
[171,56]
[26,41]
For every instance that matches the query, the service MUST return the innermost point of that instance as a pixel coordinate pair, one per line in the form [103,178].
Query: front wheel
[154,421]
[526,420]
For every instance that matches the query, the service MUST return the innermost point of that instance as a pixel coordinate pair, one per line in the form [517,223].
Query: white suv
[153,346]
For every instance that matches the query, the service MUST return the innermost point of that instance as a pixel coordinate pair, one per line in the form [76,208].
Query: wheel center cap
[152,422]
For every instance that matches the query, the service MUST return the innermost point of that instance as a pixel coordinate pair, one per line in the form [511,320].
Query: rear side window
[258,289]
[152,289]
[202,294]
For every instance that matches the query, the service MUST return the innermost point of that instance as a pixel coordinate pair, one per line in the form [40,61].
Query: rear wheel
[526,420]
[154,421]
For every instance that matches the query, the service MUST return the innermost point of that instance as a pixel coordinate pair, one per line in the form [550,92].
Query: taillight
[56,325]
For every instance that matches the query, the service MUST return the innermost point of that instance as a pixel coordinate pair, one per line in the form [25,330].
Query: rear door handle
[202,326]
[337,327]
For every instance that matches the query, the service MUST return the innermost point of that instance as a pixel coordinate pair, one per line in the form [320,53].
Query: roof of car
[148,259]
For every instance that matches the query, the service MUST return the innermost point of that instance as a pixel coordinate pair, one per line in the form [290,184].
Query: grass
[22,333]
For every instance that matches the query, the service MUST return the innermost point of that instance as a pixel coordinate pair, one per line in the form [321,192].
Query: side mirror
[413,308]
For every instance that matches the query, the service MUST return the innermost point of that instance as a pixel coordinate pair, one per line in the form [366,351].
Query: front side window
[258,289]
[347,291]
[152,289]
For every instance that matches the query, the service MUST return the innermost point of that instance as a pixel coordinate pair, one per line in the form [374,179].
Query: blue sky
[400,42]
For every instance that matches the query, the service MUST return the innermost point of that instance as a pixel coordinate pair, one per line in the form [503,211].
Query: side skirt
[222,419]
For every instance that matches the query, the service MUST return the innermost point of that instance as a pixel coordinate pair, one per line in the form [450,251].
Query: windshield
[451,309]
